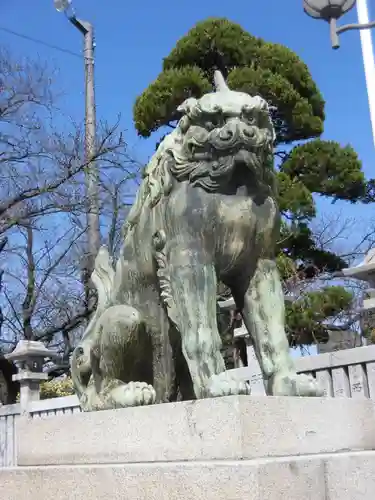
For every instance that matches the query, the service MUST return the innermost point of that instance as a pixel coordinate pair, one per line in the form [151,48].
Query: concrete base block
[230,428]
[230,448]
[348,476]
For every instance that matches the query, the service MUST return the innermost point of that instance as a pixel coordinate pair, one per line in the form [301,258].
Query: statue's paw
[224,384]
[291,384]
[133,394]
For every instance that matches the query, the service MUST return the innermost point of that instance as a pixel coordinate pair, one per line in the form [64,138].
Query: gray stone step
[342,476]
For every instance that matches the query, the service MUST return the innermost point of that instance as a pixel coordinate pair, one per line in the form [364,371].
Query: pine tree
[306,165]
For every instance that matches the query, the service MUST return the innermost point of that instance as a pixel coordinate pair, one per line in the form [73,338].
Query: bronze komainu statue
[205,211]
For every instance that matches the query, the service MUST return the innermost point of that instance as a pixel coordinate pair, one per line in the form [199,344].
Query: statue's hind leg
[192,307]
[122,356]
[125,357]
[263,313]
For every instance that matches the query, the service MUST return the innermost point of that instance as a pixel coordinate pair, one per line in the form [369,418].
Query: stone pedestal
[230,448]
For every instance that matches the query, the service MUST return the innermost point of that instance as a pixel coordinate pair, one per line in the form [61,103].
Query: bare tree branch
[43,206]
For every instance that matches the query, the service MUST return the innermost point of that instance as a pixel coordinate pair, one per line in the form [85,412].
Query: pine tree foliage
[307,166]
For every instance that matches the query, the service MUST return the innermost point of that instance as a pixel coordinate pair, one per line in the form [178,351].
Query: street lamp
[331,11]
[91,174]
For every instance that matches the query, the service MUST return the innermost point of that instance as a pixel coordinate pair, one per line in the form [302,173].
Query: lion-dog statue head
[216,134]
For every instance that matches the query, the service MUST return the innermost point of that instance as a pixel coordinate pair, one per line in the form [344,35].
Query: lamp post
[91,173]
[330,11]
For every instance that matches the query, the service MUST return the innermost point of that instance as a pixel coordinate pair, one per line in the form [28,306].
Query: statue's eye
[215,121]
[249,118]
[249,115]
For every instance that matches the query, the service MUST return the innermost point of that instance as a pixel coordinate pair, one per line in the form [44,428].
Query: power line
[40,42]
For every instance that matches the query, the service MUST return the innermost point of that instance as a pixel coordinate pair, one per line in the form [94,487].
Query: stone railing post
[29,356]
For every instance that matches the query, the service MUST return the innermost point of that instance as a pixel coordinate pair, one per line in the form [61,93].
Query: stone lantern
[29,357]
[365,271]
[253,368]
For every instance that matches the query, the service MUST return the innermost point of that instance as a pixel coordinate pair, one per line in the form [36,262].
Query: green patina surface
[205,211]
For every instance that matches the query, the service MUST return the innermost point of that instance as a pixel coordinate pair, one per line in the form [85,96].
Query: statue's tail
[103,278]
[79,383]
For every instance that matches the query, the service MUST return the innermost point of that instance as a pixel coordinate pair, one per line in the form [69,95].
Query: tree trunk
[7,369]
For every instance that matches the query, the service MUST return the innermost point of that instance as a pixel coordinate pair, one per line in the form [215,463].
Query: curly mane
[157,178]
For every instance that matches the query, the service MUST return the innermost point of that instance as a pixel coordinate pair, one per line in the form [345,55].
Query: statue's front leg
[193,309]
[264,316]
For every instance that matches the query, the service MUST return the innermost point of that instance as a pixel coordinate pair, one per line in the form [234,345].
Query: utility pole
[91,171]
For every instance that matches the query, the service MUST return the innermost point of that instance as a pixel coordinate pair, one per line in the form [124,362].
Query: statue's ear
[187,106]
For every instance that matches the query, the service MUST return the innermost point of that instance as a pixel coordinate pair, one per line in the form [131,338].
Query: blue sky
[132,38]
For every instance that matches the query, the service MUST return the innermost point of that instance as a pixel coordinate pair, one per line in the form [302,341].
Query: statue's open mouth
[238,151]
[243,143]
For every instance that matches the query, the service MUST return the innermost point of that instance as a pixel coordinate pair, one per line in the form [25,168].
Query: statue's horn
[219,82]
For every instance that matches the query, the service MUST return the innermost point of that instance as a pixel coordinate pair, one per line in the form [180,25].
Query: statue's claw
[291,384]
[224,384]
[133,394]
